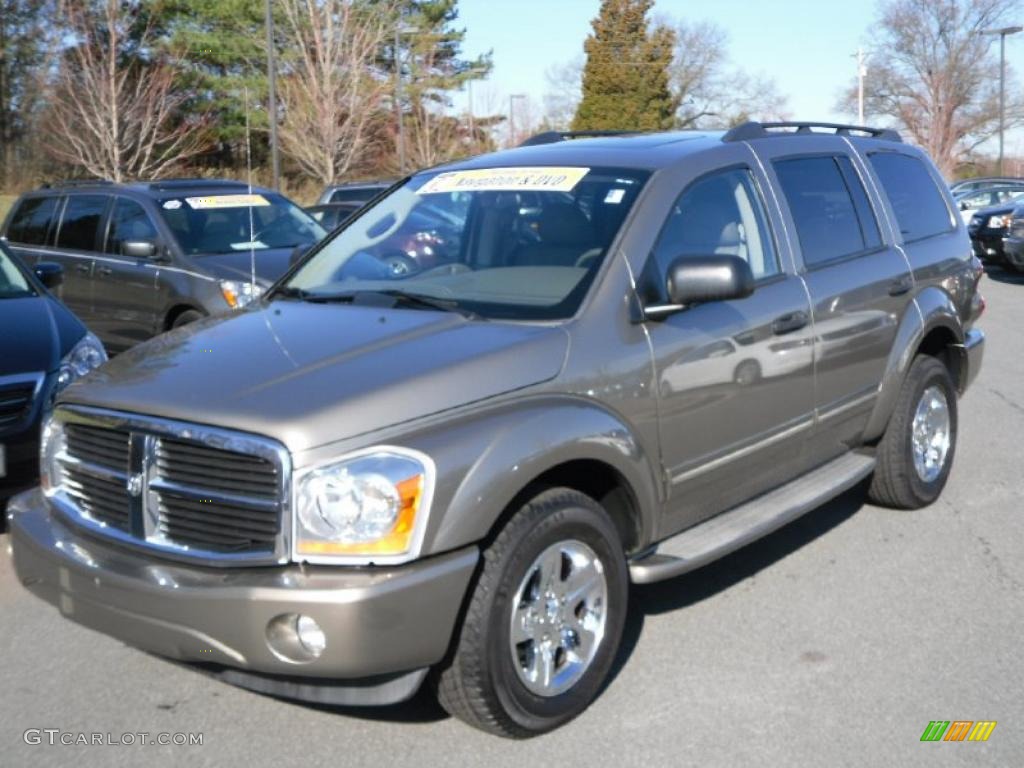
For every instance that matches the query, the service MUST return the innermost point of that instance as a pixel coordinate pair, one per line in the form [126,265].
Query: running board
[748,522]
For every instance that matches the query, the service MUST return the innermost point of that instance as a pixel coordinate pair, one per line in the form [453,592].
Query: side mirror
[700,279]
[49,273]
[138,249]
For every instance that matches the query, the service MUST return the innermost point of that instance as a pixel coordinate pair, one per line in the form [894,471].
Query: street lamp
[401,29]
[469,96]
[1003,32]
[511,122]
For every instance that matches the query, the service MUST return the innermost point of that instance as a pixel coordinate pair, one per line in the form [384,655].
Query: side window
[719,214]
[829,206]
[128,221]
[81,222]
[919,206]
[31,223]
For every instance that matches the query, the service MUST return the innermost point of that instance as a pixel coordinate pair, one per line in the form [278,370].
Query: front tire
[916,452]
[186,317]
[544,621]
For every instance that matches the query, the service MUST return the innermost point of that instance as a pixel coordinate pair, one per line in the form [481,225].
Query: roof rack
[193,182]
[75,183]
[754,130]
[550,137]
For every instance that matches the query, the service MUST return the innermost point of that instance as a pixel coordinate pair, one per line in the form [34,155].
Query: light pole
[862,72]
[400,29]
[1003,32]
[469,100]
[275,158]
[511,117]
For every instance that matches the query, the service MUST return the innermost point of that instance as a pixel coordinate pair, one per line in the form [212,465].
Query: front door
[735,378]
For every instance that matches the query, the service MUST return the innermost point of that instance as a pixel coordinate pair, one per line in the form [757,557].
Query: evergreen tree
[22,48]
[626,75]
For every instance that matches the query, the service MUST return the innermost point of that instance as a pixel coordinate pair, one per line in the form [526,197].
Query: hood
[270,264]
[37,332]
[310,374]
[999,209]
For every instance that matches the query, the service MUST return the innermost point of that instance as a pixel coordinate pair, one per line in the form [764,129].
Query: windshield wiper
[400,297]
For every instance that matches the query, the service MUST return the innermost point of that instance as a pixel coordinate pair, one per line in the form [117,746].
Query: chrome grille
[190,491]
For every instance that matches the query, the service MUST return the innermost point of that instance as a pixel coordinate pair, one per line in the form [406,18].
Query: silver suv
[625,357]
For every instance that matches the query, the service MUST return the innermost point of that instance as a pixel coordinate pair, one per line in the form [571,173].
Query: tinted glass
[865,214]
[31,222]
[919,207]
[81,222]
[822,207]
[519,243]
[719,214]
[228,223]
[128,221]
[12,282]
[360,195]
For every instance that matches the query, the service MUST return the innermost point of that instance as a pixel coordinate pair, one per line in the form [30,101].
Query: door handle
[105,271]
[792,321]
[901,285]
[83,268]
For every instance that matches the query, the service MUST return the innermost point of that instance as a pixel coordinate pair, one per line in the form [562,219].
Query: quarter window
[719,214]
[829,206]
[81,222]
[916,201]
[129,221]
[32,221]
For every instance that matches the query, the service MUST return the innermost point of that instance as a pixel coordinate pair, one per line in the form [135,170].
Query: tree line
[125,89]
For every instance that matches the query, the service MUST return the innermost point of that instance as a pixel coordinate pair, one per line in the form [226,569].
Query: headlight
[238,293]
[370,507]
[51,445]
[84,357]
[998,222]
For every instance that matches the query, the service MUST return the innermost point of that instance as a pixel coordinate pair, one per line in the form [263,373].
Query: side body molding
[484,460]
[931,308]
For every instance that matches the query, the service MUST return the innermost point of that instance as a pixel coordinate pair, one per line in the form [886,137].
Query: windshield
[12,282]
[213,224]
[518,243]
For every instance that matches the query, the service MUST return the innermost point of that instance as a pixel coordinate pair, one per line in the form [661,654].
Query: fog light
[310,635]
[295,638]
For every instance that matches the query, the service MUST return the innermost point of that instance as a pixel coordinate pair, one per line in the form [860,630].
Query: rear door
[125,288]
[858,280]
[32,227]
[76,244]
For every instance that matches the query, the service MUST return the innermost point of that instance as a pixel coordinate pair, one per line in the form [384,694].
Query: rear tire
[916,452]
[517,625]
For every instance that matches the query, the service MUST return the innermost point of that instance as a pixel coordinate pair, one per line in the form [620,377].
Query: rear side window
[919,206]
[360,195]
[830,208]
[32,221]
[81,222]
[128,221]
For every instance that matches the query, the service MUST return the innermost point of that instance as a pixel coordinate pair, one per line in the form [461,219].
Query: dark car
[145,257]
[988,228]
[43,348]
[331,215]
[354,192]
[1013,243]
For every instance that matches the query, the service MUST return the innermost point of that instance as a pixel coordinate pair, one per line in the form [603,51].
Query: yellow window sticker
[534,179]
[226,201]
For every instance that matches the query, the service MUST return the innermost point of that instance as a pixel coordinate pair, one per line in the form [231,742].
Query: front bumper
[384,626]
[1013,251]
[972,351]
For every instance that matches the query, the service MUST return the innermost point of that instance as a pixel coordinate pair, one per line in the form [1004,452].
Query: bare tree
[330,91]
[933,74]
[114,109]
[563,93]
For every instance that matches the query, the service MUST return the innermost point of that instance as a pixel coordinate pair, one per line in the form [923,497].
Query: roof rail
[75,183]
[550,137]
[193,182]
[754,130]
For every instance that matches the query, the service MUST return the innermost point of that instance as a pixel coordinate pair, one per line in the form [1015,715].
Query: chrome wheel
[558,618]
[930,434]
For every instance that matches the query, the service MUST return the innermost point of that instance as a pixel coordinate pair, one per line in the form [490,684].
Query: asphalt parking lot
[831,643]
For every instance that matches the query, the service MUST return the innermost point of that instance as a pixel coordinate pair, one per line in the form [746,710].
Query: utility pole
[511,117]
[275,158]
[398,102]
[862,72]
[1003,32]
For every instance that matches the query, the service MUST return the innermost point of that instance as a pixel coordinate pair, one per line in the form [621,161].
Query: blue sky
[805,46]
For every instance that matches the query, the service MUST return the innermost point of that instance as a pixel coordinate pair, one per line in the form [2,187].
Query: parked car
[360,192]
[370,475]
[43,348]
[970,203]
[1013,243]
[142,258]
[988,228]
[971,185]
[332,215]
